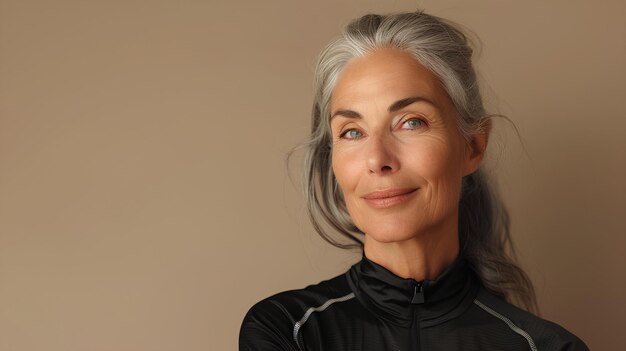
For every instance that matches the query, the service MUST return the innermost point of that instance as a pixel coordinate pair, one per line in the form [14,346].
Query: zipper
[416,331]
[418,293]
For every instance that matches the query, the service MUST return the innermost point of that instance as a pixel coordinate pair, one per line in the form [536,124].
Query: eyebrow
[398,105]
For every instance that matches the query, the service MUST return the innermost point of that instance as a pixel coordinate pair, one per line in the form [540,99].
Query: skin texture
[416,149]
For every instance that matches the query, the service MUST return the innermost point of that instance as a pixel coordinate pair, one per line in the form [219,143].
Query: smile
[388,198]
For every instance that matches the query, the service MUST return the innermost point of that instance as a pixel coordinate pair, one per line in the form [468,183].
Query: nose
[381,158]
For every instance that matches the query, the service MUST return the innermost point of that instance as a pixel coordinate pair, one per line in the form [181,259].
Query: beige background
[144,198]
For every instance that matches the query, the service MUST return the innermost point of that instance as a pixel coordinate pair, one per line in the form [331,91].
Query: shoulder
[540,334]
[270,323]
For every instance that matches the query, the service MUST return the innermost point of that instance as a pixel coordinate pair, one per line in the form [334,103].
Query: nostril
[385,168]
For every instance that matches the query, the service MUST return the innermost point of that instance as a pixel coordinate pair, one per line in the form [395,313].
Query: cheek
[439,165]
[348,170]
[435,160]
[345,168]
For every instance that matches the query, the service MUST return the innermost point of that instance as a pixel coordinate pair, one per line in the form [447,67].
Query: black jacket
[370,308]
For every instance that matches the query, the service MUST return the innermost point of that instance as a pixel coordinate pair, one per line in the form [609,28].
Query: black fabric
[370,308]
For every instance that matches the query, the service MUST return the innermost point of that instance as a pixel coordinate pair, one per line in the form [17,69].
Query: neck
[424,256]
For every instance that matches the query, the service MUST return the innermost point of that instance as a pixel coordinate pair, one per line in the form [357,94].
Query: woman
[398,135]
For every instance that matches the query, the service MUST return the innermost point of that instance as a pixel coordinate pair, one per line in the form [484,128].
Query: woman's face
[397,153]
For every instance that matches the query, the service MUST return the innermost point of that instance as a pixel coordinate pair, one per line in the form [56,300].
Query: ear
[476,148]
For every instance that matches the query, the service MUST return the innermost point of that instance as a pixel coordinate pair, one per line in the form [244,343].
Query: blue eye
[352,134]
[412,123]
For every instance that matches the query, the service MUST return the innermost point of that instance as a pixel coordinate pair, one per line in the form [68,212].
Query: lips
[389,197]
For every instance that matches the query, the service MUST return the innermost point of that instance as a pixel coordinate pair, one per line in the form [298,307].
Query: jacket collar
[402,301]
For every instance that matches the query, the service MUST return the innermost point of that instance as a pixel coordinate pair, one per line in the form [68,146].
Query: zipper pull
[418,294]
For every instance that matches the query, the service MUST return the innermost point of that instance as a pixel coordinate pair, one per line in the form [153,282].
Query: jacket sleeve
[576,345]
[267,327]
[551,336]
[554,337]
[571,343]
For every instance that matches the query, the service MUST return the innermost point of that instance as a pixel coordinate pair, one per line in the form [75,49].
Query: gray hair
[443,48]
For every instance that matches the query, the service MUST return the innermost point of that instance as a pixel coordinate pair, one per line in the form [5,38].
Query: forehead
[383,76]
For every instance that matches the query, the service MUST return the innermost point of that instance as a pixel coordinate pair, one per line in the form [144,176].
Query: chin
[390,232]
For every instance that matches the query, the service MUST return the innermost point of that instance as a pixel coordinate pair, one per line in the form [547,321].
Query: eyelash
[421,121]
[344,133]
